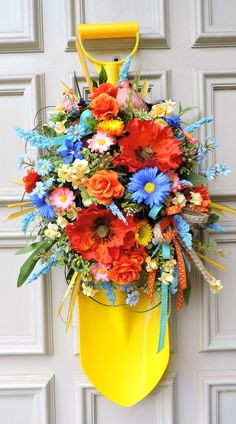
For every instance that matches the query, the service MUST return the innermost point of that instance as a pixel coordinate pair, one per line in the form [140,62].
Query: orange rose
[104,185]
[105,87]
[125,270]
[104,107]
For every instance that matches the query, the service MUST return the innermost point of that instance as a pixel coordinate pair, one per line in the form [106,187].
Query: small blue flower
[43,167]
[125,288]
[21,162]
[209,173]
[202,154]
[149,187]
[74,133]
[132,298]
[49,182]
[173,121]
[212,143]
[71,150]
[222,169]
[40,189]
[43,205]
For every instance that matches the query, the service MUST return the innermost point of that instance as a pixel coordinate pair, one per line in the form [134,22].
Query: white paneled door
[188,53]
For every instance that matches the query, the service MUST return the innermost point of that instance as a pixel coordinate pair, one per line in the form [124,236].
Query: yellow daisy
[143,233]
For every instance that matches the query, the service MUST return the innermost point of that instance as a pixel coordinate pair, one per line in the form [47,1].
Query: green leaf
[92,123]
[197,179]
[186,109]
[102,75]
[94,82]
[30,263]
[58,117]
[180,108]
[213,218]
[29,248]
[49,132]
[136,81]
[187,292]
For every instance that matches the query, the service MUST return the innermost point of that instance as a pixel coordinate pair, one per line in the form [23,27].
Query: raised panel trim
[39,387]
[40,341]
[211,384]
[86,394]
[18,85]
[204,33]
[209,336]
[154,39]
[206,83]
[31,38]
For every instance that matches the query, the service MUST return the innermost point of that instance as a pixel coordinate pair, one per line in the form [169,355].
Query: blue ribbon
[156,250]
[166,251]
[188,265]
[154,211]
[164,306]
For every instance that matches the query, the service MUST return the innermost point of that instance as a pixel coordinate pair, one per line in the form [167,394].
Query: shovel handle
[116,30]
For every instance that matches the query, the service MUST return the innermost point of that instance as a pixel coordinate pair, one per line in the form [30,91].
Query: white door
[187,52]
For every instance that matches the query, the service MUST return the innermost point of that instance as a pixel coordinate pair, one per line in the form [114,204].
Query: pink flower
[69,104]
[99,272]
[100,142]
[62,198]
[174,178]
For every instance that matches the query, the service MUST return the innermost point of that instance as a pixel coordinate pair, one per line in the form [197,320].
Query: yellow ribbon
[20,213]
[220,207]
[211,261]
[16,205]
[71,284]
[72,301]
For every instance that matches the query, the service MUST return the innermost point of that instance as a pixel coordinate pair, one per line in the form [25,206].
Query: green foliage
[102,75]
[92,124]
[213,218]
[94,82]
[30,263]
[184,110]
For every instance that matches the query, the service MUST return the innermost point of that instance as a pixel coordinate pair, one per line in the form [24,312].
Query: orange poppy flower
[127,268]
[30,180]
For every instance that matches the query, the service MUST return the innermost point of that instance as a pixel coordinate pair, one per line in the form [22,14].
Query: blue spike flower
[35,139]
[125,69]
[43,167]
[43,205]
[26,220]
[147,186]
[71,150]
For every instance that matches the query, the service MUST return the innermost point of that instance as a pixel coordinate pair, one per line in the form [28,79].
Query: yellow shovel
[118,348]
[118,345]
[104,31]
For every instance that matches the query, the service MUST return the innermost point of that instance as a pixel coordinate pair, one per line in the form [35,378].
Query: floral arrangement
[117,195]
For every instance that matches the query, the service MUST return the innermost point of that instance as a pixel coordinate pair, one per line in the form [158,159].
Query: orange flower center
[101,270]
[63,198]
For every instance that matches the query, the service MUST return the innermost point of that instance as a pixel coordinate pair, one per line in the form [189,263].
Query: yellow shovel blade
[118,348]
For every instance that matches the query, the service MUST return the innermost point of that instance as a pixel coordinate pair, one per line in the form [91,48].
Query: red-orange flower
[97,234]
[105,87]
[199,198]
[127,268]
[30,180]
[104,186]
[104,106]
[149,144]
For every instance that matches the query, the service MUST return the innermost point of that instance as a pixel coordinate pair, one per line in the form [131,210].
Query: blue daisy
[43,205]
[71,150]
[43,167]
[147,186]
[132,298]
[74,133]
